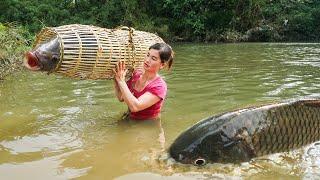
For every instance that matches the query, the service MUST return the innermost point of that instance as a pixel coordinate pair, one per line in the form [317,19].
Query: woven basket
[90,52]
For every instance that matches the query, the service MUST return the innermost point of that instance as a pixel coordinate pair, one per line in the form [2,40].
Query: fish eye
[199,162]
[55,58]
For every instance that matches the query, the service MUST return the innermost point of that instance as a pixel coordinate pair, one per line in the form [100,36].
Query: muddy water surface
[52,127]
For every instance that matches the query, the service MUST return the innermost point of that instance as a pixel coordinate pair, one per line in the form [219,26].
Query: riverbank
[13,44]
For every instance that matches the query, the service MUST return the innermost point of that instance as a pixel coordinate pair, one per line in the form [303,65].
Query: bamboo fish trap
[90,52]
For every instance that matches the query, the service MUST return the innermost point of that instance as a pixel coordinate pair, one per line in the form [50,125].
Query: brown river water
[53,127]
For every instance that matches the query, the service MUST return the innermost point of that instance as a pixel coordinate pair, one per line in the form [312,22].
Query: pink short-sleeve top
[157,87]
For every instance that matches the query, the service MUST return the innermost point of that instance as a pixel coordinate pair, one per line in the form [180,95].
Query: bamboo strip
[91,52]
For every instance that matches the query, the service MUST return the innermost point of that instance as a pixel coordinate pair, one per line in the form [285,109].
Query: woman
[145,91]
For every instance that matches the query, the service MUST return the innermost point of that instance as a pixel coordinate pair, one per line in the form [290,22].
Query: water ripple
[42,116]
[42,142]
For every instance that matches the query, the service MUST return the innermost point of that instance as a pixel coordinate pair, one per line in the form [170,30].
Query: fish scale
[249,133]
[301,119]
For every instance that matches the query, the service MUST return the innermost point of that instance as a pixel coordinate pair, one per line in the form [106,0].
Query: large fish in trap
[88,52]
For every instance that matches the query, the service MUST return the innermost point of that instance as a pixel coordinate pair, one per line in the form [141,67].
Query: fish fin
[243,136]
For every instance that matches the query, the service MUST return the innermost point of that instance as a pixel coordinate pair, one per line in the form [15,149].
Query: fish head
[201,144]
[188,154]
[44,57]
[209,149]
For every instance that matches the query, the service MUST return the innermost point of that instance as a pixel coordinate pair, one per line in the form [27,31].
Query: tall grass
[13,44]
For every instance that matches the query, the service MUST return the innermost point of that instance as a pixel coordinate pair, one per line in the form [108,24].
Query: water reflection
[133,146]
[44,168]
[43,143]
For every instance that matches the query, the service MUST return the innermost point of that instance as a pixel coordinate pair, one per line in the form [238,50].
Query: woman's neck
[144,80]
[148,76]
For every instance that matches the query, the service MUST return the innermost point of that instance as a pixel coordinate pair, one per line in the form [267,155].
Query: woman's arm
[135,104]
[117,90]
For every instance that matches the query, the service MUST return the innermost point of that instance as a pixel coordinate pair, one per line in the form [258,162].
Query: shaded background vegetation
[173,20]
[178,20]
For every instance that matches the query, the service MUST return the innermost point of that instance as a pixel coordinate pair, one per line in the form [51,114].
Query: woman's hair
[165,51]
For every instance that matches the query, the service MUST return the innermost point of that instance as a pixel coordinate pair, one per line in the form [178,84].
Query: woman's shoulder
[135,75]
[159,81]
[158,87]
[138,71]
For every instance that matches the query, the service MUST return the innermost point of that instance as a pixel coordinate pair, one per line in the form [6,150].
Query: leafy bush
[13,44]
[177,20]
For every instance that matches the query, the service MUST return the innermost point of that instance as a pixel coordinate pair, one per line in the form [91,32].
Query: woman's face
[152,61]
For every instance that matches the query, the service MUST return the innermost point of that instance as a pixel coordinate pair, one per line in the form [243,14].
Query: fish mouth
[31,61]
[179,156]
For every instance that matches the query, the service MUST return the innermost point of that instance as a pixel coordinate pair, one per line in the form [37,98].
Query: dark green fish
[244,134]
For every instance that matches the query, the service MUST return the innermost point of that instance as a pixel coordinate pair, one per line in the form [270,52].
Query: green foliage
[178,20]
[12,46]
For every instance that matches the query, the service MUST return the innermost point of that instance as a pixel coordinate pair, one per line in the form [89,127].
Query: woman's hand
[120,72]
